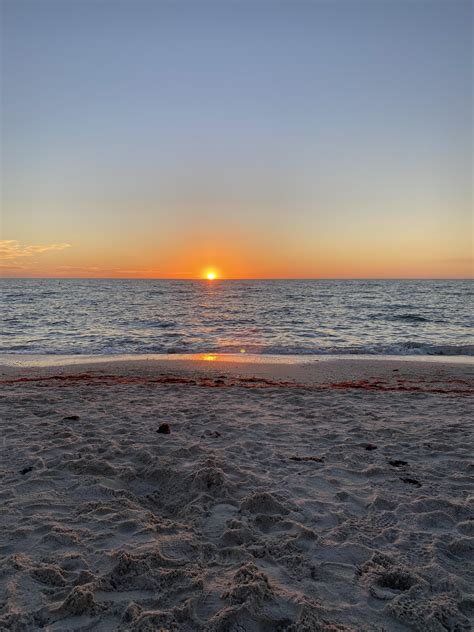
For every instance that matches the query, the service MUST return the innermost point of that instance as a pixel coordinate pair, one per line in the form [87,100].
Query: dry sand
[330,495]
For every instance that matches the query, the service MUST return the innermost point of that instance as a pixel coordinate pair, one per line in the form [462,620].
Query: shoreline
[45,360]
[213,370]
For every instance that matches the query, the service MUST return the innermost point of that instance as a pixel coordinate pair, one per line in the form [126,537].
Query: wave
[413,348]
[396,349]
[410,318]
[401,348]
[404,318]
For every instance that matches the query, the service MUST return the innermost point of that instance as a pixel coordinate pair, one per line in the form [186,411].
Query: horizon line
[105,278]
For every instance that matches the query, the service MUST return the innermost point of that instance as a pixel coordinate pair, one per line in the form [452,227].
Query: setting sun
[210,273]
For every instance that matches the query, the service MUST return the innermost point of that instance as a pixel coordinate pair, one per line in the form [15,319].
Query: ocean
[277,317]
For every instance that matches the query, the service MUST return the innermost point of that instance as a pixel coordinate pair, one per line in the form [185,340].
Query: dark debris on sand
[411,481]
[316,459]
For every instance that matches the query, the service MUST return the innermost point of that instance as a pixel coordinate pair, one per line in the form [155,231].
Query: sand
[331,495]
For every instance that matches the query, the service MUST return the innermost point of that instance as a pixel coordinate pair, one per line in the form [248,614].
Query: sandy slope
[325,497]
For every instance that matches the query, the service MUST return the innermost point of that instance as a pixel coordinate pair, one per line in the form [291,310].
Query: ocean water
[96,316]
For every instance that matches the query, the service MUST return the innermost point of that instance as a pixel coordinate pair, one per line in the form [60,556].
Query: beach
[236,335]
[228,494]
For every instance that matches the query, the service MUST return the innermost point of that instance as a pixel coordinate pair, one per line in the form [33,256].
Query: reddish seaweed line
[400,386]
[247,382]
[162,379]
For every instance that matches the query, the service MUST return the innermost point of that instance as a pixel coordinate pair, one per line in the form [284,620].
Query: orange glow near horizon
[183,259]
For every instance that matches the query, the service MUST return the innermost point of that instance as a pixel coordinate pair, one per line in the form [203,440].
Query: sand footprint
[178,548]
[215,524]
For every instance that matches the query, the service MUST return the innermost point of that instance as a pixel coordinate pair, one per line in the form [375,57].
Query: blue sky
[343,130]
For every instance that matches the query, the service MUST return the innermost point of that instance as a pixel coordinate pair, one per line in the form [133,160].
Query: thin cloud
[13,266]
[11,249]
[98,271]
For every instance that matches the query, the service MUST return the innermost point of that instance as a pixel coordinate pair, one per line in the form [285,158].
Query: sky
[268,139]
